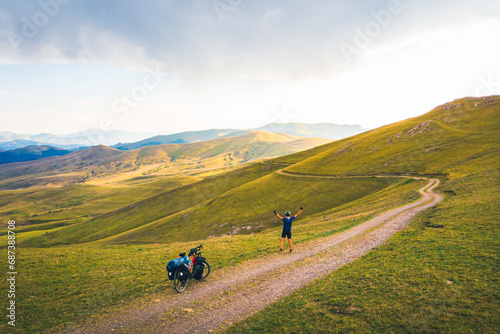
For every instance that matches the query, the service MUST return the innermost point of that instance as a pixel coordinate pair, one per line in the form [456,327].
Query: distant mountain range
[33,147]
[321,130]
[102,161]
[124,140]
[10,140]
[177,138]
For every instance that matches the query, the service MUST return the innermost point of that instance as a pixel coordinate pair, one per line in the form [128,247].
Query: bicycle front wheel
[206,269]
[178,284]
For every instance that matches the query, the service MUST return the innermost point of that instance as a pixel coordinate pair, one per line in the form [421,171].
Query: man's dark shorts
[286,233]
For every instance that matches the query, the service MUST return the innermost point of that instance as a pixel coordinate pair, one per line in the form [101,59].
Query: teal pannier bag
[173,265]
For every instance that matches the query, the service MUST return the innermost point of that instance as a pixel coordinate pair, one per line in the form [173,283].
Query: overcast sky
[148,66]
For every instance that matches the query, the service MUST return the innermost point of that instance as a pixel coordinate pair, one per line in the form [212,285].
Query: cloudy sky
[148,66]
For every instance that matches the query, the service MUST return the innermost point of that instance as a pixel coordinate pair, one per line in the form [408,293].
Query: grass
[89,278]
[251,207]
[152,208]
[43,208]
[439,275]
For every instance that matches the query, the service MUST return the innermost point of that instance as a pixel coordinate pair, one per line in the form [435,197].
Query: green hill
[438,142]
[151,209]
[57,165]
[440,275]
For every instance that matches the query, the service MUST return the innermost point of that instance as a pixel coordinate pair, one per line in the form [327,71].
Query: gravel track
[235,293]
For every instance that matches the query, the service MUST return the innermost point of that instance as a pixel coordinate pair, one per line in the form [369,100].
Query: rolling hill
[434,143]
[177,138]
[438,275]
[29,153]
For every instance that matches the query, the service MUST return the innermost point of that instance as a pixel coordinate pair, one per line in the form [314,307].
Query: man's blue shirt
[287,223]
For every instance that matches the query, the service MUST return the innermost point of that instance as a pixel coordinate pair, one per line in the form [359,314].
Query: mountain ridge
[314,130]
[92,137]
[101,161]
[125,140]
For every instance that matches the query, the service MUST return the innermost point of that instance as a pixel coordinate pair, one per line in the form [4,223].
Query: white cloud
[235,70]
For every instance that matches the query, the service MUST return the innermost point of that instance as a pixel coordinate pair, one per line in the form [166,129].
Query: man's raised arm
[298,213]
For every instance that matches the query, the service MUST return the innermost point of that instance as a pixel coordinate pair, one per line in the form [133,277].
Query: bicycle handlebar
[195,250]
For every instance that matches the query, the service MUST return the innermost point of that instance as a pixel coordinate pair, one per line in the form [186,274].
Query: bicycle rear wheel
[180,285]
[206,269]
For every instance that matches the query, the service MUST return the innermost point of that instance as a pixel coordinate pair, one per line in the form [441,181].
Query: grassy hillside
[433,143]
[440,275]
[153,208]
[86,279]
[52,207]
[247,209]
[73,162]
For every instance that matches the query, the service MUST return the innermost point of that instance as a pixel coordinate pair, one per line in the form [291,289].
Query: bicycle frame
[194,252]
[193,262]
